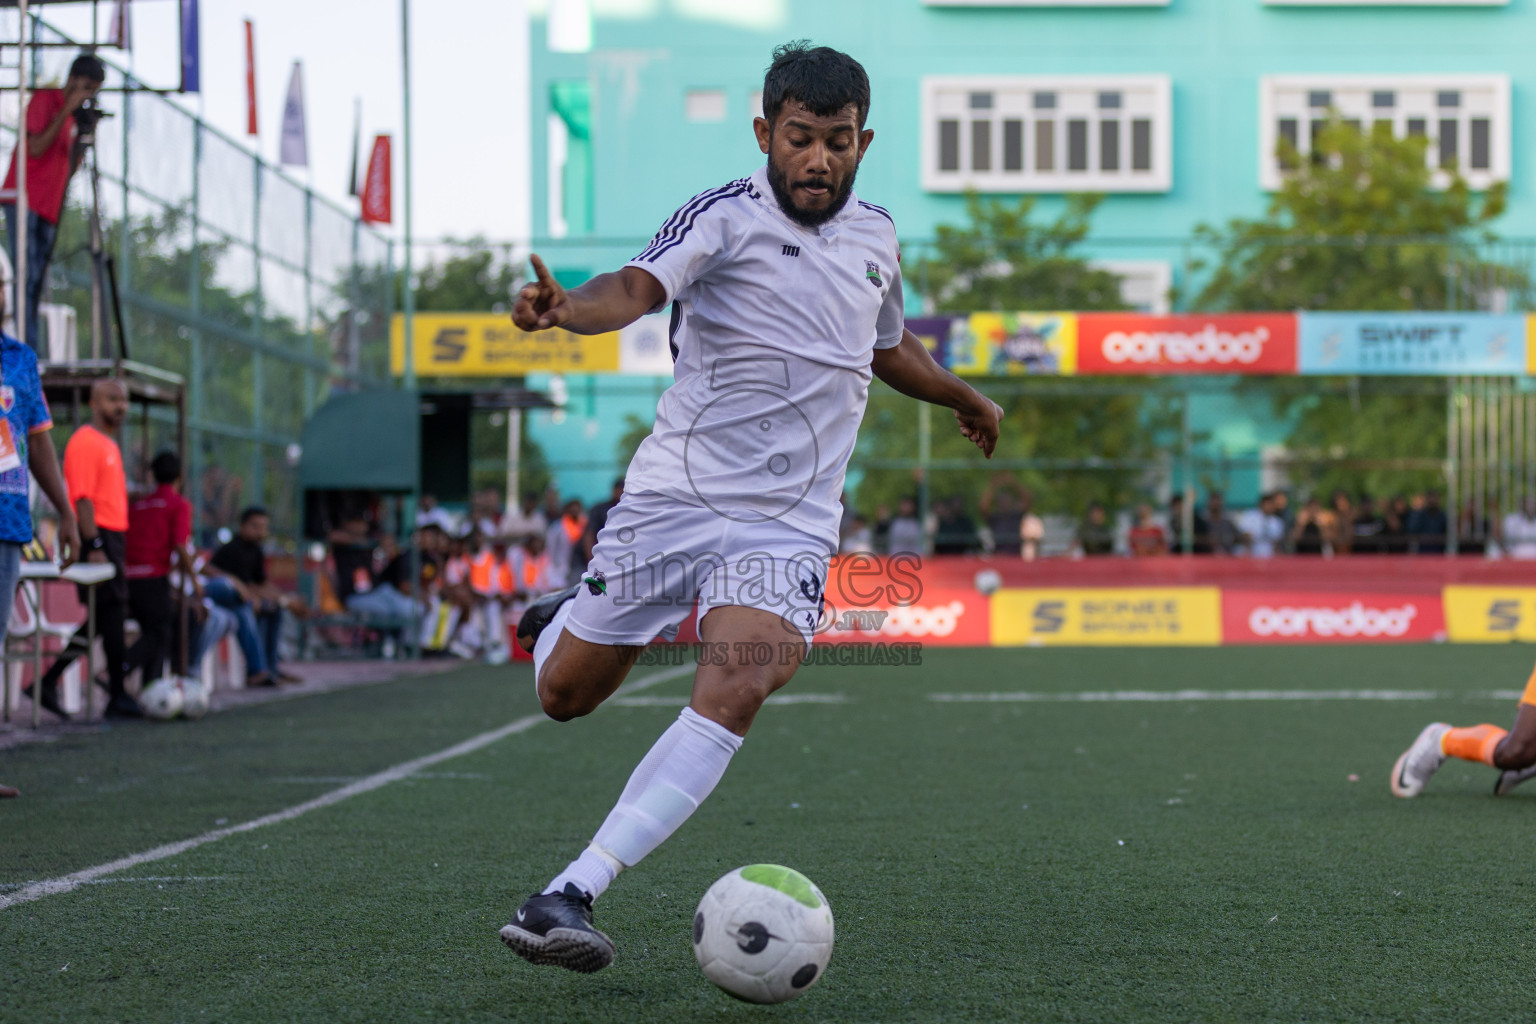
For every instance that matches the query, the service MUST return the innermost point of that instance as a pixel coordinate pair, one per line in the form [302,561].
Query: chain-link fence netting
[262,294]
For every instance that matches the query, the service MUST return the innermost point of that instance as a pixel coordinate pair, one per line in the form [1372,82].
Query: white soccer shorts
[658,555]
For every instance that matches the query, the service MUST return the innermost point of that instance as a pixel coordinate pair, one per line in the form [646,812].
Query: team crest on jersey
[872,271]
[7,399]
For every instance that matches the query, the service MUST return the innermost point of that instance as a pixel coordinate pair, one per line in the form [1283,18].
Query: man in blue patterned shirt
[26,444]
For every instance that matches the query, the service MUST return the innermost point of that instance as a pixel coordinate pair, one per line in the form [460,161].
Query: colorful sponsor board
[1432,344]
[1309,617]
[1013,344]
[1133,343]
[487,345]
[1116,617]
[1490,614]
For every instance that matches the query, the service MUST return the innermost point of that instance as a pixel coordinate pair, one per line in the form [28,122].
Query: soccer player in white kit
[785,291]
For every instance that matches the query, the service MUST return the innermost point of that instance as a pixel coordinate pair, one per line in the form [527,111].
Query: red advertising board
[1313,617]
[1136,343]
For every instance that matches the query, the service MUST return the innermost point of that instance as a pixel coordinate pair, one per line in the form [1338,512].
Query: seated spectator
[1221,536]
[1518,531]
[1003,509]
[1427,526]
[1147,537]
[485,512]
[1313,533]
[430,513]
[1263,526]
[954,529]
[1343,521]
[905,532]
[1094,535]
[1369,528]
[358,584]
[1200,534]
[159,534]
[859,538]
[238,581]
[521,523]
[597,518]
[1395,515]
[563,541]
[1473,531]
[493,584]
[1031,529]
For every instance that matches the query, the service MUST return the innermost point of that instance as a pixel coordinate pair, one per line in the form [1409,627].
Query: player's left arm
[908,368]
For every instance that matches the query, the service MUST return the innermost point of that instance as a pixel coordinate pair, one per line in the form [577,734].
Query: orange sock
[1474,743]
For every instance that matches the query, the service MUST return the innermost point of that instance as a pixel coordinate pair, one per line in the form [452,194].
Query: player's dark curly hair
[823,79]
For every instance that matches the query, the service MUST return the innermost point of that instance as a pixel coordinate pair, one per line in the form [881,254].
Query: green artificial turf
[1046,861]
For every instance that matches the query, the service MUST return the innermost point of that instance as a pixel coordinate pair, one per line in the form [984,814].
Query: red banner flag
[378,200]
[250,77]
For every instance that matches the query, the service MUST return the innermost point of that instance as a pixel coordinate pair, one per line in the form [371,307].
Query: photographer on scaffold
[54,119]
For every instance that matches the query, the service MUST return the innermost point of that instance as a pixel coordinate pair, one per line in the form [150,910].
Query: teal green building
[1170,108]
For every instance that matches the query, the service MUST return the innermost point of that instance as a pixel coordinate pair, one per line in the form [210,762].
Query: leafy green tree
[1359,226]
[1002,260]
[473,278]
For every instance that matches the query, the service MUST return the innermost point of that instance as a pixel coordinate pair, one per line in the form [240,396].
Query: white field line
[70,882]
[1185,696]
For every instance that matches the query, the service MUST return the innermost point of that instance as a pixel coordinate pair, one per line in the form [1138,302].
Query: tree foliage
[1359,226]
[1002,260]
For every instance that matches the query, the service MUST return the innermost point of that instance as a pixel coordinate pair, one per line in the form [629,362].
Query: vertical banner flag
[250,77]
[191,50]
[120,33]
[293,148]
[377,200]
[357,144]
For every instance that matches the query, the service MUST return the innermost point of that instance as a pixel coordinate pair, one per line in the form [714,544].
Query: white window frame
[705,106]
[1046,3]
[1154,276]
[1500,137]
[1059,180]
[1387,3]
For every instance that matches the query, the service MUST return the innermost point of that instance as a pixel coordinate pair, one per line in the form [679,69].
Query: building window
[1046,3]
[1047,134]
[704,105]
[1144,284]
[571,169]
[1387,3]
[1466,119]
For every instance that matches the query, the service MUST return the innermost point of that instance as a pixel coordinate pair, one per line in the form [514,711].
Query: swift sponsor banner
[1134,343]
[1413,343]
[1123,617]
[1307,617]
[1490,615]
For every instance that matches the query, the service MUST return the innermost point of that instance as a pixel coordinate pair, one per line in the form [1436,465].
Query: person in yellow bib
[1512,751]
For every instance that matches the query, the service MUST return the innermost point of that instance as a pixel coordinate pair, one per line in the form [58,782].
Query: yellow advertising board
[1489,615]
[1118,617]
[487,345]
[1014,344]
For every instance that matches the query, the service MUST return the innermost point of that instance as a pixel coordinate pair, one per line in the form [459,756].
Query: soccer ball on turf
[763,933]
[194,698]
[162,698]
[988,581]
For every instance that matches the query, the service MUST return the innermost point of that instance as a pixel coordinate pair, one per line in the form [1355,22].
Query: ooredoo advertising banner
[1432,344]
[1135,343]
[1309,617]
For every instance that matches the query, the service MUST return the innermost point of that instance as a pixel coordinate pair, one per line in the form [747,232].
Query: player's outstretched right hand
[543,303]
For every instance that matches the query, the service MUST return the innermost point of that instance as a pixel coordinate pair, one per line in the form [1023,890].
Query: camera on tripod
[87,116]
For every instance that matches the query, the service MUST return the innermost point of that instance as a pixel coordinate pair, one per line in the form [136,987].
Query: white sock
[671,781]
[546,641]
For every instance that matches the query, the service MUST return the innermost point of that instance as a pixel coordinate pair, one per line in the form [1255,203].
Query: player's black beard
[779,182]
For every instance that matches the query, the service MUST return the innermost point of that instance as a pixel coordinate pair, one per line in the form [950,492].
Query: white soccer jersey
[773,329]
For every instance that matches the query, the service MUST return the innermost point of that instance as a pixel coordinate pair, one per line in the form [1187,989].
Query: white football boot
[1419,761]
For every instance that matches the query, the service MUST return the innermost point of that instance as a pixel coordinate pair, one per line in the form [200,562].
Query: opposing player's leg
[680,770]
[1513,750]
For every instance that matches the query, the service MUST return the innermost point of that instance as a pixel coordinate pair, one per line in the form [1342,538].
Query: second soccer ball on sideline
[763,933]
[162,698]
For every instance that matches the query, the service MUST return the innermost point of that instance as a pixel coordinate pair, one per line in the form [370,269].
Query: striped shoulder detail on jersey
[882,211]
[652,254]
[674,223]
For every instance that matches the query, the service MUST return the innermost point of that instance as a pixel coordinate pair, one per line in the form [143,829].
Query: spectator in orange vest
[567,554]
